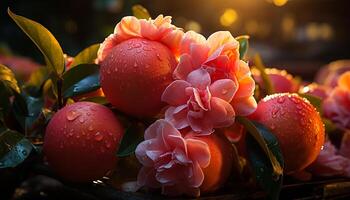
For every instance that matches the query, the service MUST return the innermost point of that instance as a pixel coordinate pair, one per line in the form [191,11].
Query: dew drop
[116,69]
[281,99]
[275,111]
[72,115]
[98,136]
[81,120]
[273,126]
[90,128]
[108,144]
[24,152]
[137,45]
[159,58]
[299,107]
[224,91]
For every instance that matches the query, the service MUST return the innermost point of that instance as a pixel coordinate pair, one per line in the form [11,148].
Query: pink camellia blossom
[200,104]
[170,161]
[337,106]
[159,29]
[219,56]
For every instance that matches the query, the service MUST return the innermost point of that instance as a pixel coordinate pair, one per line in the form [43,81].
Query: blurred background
[297,35]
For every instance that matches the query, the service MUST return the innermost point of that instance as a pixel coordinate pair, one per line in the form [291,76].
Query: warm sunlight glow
[228,17]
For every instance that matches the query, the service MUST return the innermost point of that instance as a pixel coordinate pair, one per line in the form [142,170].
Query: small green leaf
[140,12]
[314,100]
[81,79]
[14,148]
[98,99]
[243,45]
[255,132]
[8,78]
[261,164]
[44,40]
[35,106]
[266,79]
[131,138]
[86,56]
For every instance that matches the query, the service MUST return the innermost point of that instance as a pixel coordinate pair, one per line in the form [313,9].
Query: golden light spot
[228,17]
[288,24]
[193,26]
[280,2]
[312,31]
[326,31]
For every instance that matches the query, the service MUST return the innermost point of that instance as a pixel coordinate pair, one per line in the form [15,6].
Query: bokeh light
[228,17]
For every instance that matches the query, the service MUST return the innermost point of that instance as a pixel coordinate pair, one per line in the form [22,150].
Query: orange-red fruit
[81,141]
[134,75]
[219,169]
[297,126]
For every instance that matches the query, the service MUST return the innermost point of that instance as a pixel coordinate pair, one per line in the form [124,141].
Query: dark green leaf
[81,79]
[5,103]
[35,106]
[131,138]
[86,56]
[140,12]
[265,78]
[261,164]
[8,78]
[243,45]
[314,100]
[14,148]
[20,109]
[44,40]
[259,137]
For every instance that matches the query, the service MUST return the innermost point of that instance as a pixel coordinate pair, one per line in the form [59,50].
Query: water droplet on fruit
[77,136]
[145,48]
[281,99]
[98,136]
[90,128]
[108,144]
[275,111]
[273,126]
[144,42]
[82,120]
[116,69]
[295,100]
[137,45]
[72,115]
[159,58]
[88,114]
[299,107]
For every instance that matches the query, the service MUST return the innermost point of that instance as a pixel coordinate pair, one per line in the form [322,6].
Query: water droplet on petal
[224,91]
[98,136]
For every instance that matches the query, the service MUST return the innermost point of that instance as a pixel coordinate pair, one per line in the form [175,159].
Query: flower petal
[221,113]
[198,151]
[199,78]
[224,89]
[177,116]
[244,106]
[184,67]
[191,37]
[218,39]
[175,94]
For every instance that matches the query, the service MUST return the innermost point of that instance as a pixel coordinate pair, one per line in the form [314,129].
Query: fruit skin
[297,126]
[81,140]
[221,160]
[134,75]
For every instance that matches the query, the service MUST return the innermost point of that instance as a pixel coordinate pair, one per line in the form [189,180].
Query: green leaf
[35,106]
[14,148]
[261,164]
[314,100]
[329,125]
[266,79]
[140,12]
[243,45]
[98,99]
[81,79]
[8,78]
[255,132]
[131,138]
[86,56]
[44,40]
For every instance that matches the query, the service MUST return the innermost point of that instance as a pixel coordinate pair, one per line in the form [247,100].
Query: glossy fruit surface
[297,126]
[81,141]
[134,75]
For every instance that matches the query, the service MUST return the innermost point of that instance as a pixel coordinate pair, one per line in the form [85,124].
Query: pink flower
[337,106]
[198,104]
[329,74]
[171,161]
[329,163]
[219,56]
[314,89]
[159,29]
[22,67]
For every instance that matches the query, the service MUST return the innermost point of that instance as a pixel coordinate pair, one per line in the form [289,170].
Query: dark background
[300,36]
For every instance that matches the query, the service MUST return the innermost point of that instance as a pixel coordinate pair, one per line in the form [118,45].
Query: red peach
[297,126]
[81,141]
[134,75]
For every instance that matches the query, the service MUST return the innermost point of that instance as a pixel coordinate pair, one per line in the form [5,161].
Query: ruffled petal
[198,175]
[224,89]
[184,67]
[199,78]
[198,151]
[175,93]
[244,106]
[246,87]
[221,113]
[189,38]
[177,116]
[220,38]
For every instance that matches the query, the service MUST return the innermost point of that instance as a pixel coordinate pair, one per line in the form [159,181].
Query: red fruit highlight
[297,126]
[81,141]
[134,75]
